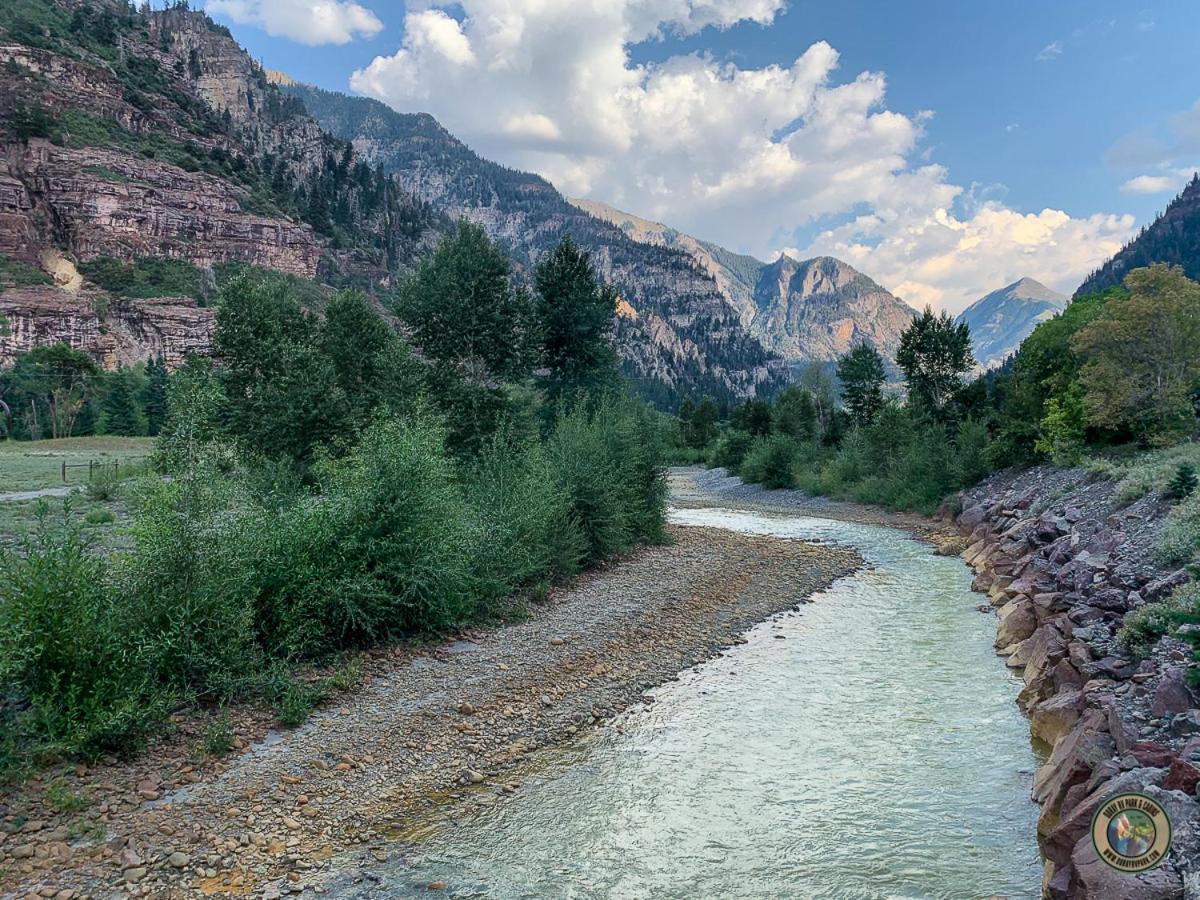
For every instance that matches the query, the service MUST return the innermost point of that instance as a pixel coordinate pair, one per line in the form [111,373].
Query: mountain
[1004,318]
[734,273]
[145,157]
[1174,237]
[147,147]
[678,332]
[813,310]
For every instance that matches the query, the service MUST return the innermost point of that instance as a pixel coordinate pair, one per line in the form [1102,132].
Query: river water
[874,752]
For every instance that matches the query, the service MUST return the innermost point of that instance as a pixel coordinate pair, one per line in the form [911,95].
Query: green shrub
[1182,484]
[104,485]
[218,736]
[98,517]
[770,462]
[730,449]
[1144,626]
[1180,535]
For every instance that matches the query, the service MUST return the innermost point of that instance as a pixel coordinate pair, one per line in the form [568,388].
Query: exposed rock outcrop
[1064,564]
[116,332]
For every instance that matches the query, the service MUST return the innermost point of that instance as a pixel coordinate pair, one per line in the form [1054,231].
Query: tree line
[1118,368]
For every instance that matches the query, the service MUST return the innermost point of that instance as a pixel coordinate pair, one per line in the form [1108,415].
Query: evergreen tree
[795,414]
[698,422]
[752,417]
[154,395]
[861,373]
[576,316]
[122,408]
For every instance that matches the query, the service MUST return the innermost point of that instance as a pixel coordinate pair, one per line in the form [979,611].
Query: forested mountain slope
[678,334]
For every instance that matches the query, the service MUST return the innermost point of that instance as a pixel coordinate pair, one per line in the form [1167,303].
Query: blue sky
[1022,106]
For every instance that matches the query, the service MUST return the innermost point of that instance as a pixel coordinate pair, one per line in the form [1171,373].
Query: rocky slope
[1063,563]
[811,310]
[1002,319]
[679,334]
[128,135]
[820,308]
[1174,237]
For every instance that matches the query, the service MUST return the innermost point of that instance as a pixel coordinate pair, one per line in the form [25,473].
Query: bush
[1182,484]
[730,449]
[1144,626]
[770,462]
[98,517]
[1180,535]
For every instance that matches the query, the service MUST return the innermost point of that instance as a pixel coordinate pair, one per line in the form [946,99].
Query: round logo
[1131,832]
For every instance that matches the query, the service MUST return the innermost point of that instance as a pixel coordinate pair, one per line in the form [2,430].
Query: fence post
[64,471]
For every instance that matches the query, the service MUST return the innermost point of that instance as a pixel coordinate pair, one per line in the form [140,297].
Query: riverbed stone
[1017,622]
[1171,694]
[1053,718]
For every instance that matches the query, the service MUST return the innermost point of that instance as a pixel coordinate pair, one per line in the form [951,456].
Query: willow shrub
[233,575]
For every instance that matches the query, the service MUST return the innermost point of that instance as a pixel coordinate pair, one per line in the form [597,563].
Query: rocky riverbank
[1063,563]
[434,725]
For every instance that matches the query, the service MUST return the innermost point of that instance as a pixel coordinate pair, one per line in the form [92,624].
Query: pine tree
[861,374]
[122,412]
[154,395]
[576,314]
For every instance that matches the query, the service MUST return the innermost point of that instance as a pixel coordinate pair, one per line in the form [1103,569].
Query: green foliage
[217,738]
[122,409]
[575,314]
[730,449]
[51,390]
[862,374]
[1183,483]
[155,402]
[1180,536]
[103,485]
[795,414]
[934,354]
[18,274]
[1064,428]
[99,517]
[770,461]
[146,276]
[1142,366]
[752,417]
[1179,615]
[698,422]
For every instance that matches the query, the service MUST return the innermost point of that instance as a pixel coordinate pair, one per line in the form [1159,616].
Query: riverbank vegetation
[1113,381]
[326,489]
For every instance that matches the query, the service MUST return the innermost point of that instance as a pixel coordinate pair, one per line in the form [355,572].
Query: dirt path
[448,721]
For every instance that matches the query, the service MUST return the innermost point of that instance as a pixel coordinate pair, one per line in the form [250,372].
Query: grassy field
[35,465]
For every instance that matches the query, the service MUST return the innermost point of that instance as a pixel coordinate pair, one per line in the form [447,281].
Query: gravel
[432,724]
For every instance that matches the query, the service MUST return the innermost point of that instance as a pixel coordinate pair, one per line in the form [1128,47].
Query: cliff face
[680,335]
[117,332]
[814,310]
[820,308]
[153,134]
[1064,563]
[1174,237]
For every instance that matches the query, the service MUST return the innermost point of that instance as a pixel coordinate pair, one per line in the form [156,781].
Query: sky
[944,148]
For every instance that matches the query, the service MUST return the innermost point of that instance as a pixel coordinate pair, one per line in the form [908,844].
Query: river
[866,745]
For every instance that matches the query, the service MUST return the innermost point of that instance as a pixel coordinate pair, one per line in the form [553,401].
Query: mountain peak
[999,321]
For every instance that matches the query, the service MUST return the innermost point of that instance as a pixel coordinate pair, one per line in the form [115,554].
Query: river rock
[1017,622]
[1052,718]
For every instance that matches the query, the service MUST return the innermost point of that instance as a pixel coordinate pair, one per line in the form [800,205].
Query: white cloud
[930,255]
[1149,184]
[314,22]
[1053,50]
[742,156]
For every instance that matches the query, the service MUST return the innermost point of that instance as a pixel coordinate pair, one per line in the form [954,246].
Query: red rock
[1148,753]
[1183,776]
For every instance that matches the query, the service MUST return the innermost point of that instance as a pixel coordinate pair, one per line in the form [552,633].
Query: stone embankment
[1063,563]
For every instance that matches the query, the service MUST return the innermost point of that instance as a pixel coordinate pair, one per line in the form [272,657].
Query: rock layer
[1063,573]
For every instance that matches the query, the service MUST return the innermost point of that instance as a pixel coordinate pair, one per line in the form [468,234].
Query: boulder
[1053,718]
[1017,622]
[1182,776]
[1171,694]
[971,516]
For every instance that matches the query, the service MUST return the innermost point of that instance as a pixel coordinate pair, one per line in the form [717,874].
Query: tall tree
[154,395]
[282,390]
[795,413]
[576,314]
[51,388]
[752,417]
[1142,356]
[861,373]
[934,354]
[699,422]
[122,407]
[372,363]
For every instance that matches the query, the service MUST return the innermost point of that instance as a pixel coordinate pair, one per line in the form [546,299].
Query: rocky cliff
[813,310]
[117,332]
[1002,319]
[1063,563]
[820,308]
[679,335]
[152,134]
[1174,237]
